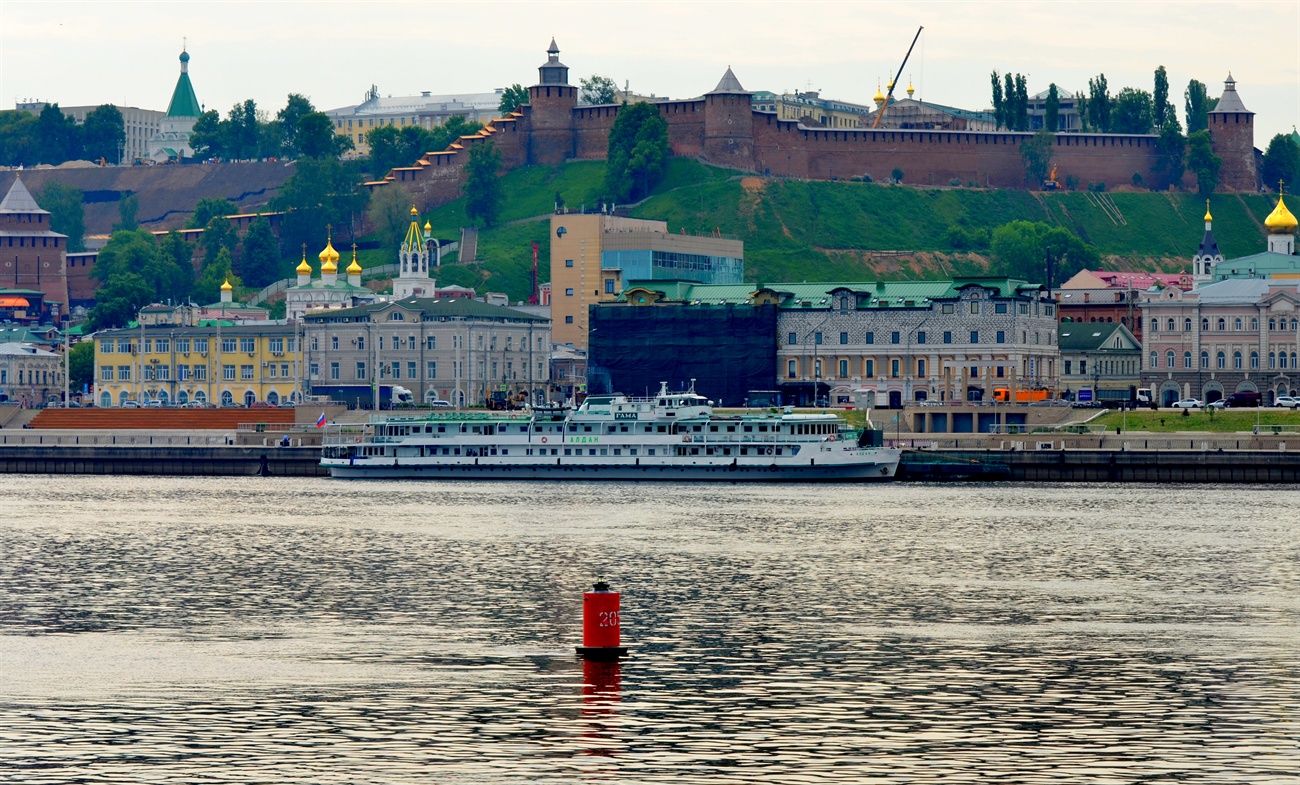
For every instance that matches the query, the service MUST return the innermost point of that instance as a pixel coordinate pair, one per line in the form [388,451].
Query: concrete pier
[184,461]
[1182,466]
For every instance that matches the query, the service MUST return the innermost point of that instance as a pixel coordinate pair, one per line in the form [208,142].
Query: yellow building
[216,363]
[593,257]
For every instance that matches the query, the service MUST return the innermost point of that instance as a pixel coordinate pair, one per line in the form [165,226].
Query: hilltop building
[425,110]
[597,253]
[139,125]
[810,109]
[172,141]
[32,256]
[724,128]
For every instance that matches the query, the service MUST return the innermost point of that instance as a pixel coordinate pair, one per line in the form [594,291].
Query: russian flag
[320,421]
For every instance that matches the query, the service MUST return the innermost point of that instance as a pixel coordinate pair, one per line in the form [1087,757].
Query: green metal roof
[1094,336]
[184,103]
[1260,265]
[797,296]
[431,308]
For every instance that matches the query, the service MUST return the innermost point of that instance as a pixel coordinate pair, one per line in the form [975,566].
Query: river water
[166,630]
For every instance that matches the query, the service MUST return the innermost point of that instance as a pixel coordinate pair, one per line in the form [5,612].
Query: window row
[1221,324]
[898,338]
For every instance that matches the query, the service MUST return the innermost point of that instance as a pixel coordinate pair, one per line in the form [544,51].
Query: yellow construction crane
[890,94]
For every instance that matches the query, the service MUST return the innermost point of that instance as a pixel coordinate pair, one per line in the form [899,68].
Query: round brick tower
[551,136]
[1232,138]
[729,124]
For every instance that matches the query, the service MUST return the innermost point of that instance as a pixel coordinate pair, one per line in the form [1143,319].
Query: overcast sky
[79,53]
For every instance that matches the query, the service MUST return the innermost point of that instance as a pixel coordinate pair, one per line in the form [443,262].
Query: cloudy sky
[80,53]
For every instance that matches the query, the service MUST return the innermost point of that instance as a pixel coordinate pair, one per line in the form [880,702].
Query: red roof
[1119,280]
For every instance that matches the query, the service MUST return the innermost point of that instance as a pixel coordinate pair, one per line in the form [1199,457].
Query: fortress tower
[729,124]
[1232,138]
[553,99]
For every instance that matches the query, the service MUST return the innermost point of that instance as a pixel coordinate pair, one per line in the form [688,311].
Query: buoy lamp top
[600,586]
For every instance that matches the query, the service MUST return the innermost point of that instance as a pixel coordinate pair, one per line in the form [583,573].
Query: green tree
[244,136]
[1052,109]
[127,207]
[1131,112]
[210,207]
[260,262]
[999,106]
[440,138]
[1160,106]
[295,108]
[118,301]
[127,251]
[512,98]
[179,257]
[207,287]
[316,138]
[1036,155]
[103,134]
[81,365]
[390,214]
[483,188]
[209,138]
[1203,162]
[1039,252]
[58,136]
[1281,161]
[322,191]
[1196,104]
[598,89]
[1099,104]
[67,215]
[19,142]
[1171,147]
[1022,103]
[638,152]
[219,235]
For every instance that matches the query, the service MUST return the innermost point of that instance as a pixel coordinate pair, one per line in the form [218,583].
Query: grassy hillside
[797,230]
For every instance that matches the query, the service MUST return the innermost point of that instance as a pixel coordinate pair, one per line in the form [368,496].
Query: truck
[1003,395]
[1145,396]
[362,396]
[500,399]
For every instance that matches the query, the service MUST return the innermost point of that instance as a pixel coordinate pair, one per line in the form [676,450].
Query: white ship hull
[869,466]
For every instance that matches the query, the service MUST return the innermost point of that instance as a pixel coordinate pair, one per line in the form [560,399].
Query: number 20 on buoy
[600,624]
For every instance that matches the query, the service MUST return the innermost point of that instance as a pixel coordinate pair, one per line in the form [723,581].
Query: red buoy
[600,624]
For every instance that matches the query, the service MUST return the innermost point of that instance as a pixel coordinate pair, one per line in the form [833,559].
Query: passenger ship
[669,436]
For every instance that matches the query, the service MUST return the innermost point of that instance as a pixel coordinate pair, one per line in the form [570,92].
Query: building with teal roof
[888,342]
[172,141]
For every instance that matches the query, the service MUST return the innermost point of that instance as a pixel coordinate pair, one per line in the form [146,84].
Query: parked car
[130,404]
[1222,403]
[1287,402]
[440,404]
[1243,399]
[154,404]
[1186,403]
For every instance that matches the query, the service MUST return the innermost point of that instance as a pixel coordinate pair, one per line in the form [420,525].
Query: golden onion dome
[303,268]
[226,287]
[910,89]
[329,258]
[1280,221]
[1208,217]
[879,97]
[414,212]
[428,227]
[354,268]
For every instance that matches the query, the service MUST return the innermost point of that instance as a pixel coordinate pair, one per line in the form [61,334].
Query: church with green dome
[172,142]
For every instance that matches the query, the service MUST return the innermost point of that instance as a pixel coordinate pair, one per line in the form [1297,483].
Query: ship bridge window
[762,429]
[749,428]
[713,428]
[731,429]
[663,429]
[586,428]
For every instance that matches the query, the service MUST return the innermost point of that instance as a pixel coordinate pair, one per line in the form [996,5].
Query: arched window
[1187,359]
[1155,325]
[106,399]
[1169,359]
[1169,325]
[1205,325]
[1254,361]
[1254,323]
[1293,355]
[1205,359]
[226,398]
[1223,324]
[1272,324]
[1155,360]
[250,398]
[395,316]
[1187,325]
[1295,325]
[1281,360]
[1222,360]
[1236,361]
[1272,361]
[1236,324]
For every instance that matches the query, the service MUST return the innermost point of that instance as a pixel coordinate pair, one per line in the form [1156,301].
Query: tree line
[249,133]
[51,137]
